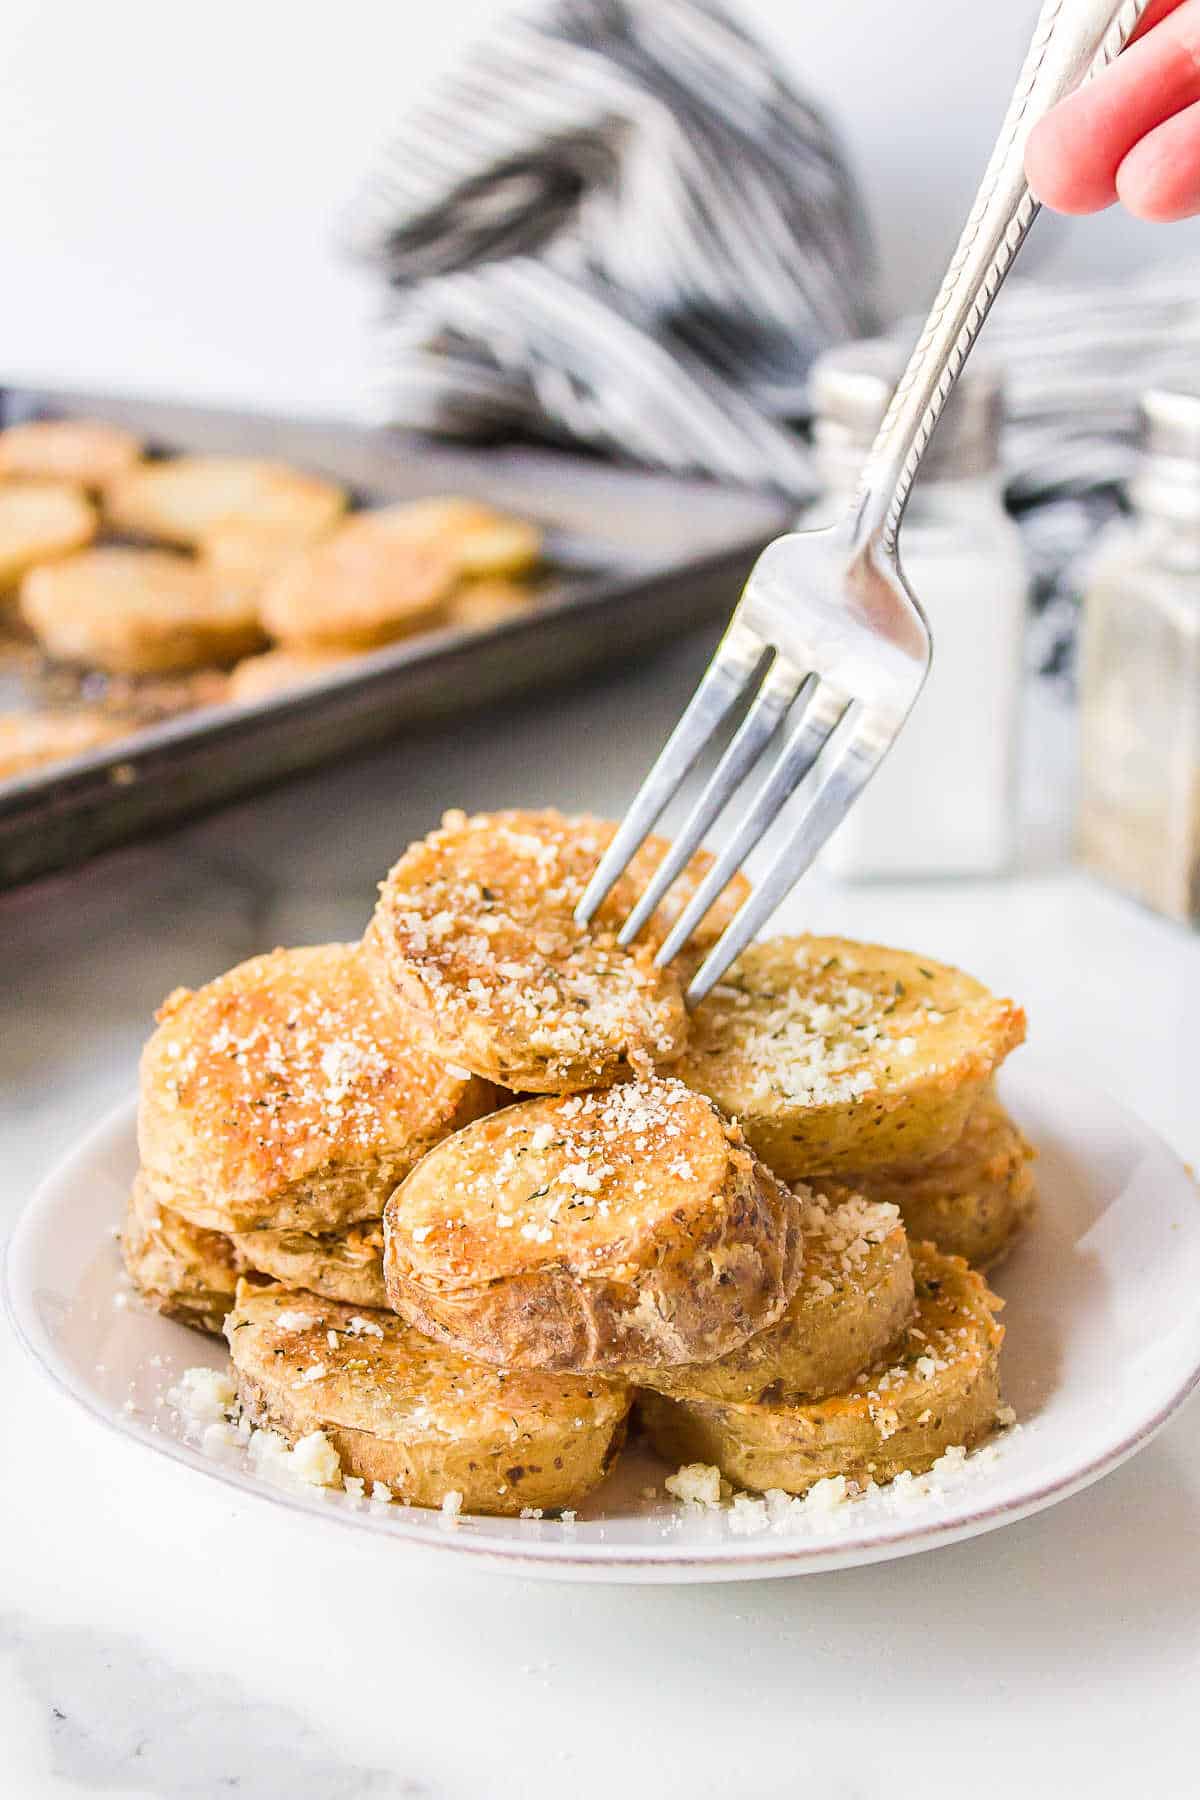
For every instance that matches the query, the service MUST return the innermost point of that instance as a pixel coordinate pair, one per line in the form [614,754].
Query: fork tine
[738,657]
[854,752]
[781,685]
[826,706]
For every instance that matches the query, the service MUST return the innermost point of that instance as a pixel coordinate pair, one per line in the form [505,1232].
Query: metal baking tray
[634,559]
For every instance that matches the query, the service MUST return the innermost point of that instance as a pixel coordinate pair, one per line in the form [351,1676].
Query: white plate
[1103,1345]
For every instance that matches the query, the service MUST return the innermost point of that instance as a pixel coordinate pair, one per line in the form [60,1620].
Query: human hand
[1132,134]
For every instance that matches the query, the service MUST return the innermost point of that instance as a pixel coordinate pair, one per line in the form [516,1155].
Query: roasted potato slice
[180,1269]
[480,541]
[245,553]
[627,1225]
[834,1055]
[341,1265]
[183,499]
[942,1389]
[283,1095]
[407,1412]
[30,740]
[854,1302]
[136,612]
[39,522]
[281,672]
[88,452]
[975,1199]
[357,589]
[475,937]
[478,605]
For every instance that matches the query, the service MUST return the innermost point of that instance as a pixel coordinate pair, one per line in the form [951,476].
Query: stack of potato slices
[461,1195]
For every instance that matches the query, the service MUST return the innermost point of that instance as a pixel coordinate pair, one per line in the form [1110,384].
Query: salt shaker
[1139,822]
[944,800]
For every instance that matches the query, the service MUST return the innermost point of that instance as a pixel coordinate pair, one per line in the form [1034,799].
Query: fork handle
[1072,41]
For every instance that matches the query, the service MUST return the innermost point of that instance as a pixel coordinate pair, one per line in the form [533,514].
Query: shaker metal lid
[1166,481]
[851,386]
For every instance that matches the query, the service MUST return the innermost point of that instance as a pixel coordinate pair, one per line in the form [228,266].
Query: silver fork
[828,638]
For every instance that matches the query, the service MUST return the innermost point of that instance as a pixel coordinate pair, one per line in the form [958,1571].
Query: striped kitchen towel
[616,224]
[1077,359]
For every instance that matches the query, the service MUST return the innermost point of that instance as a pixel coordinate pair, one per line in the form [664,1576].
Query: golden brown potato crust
[854,1302]
[358,588]
[85,451]
[475,937]
[404,1411]
[39,522]
[245,554]
[136,612]
[31,740]
[281,672]
[975,1199]
[185,498]
[943,1389]
[626,1225]
[282,1095]
[834,1055]
[341,1265]
[479,541]
[179,1268]
[478,605]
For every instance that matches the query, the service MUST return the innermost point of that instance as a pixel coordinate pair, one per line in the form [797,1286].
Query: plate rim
[563,1558]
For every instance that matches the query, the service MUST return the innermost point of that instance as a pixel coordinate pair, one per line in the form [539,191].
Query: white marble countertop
[159,1636]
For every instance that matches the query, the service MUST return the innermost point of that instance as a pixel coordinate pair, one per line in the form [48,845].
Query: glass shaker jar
[1139,821]
[944,800]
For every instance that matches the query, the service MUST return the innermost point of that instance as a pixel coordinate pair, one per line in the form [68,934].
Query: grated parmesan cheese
[204,1396]
[696,1483]
[315,1461]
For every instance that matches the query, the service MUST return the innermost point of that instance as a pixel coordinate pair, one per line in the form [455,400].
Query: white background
[172,176]
[170,181]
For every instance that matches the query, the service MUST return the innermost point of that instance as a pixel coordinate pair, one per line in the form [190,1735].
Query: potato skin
[837,1056]
[886,1422]
[409,1413]
[840,1321]
[668,1268]
[975,1199]
[182,1270]
[678,1309]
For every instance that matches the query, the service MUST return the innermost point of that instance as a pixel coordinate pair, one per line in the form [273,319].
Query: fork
[828,641]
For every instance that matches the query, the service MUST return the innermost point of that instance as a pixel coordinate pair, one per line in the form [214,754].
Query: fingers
[1158,9]
[1075,152]
[1160,178]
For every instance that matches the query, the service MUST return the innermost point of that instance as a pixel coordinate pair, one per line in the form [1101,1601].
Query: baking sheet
[635,559]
